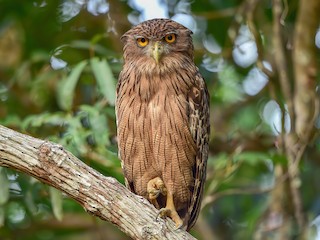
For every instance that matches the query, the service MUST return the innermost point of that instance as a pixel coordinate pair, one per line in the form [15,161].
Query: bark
[101,196]
[280,59]
[306,101]
[305,67]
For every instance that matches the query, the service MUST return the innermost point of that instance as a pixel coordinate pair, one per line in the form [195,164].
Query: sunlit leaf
[251,157]
[66,87]
[4,187]
[55,119]
[105,79]
[33,121]
[56,203]
[212,186]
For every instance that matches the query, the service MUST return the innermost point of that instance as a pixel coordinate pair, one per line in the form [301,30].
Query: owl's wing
[199,123]
[120,97]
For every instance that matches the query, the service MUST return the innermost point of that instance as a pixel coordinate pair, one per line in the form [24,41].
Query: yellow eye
[170,38]
[142,42]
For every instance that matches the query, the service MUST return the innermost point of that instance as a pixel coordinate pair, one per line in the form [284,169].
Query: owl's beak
[157,50]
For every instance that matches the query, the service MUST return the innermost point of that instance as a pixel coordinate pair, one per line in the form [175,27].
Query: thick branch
[102,196]
[305,66]
[306,102]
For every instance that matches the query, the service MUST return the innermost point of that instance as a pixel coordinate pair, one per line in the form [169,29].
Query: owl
[162,111]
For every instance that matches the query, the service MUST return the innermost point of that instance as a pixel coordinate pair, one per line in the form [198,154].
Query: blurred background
[59,63]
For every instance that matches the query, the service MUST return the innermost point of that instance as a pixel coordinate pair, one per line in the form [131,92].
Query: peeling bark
[101,196]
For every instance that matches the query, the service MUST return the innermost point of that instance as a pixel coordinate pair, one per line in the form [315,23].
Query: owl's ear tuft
[188,31]
[124,38]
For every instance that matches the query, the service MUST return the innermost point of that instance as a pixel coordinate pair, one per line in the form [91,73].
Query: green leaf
[251,157]
[11,120]
[98,122]
[2,216]
[105,79]
[36,121]
[229,89]
[56,202]
[29,201]
[67,86]
[4,189]
[15,212]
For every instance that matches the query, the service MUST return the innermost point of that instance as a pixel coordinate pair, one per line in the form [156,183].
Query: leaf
[36,121]
[11,120]
[229,89]
[4,189]
[105,79]
[252,158]
[98,122]
[30,203]
[74,138]
[56,202]
[2,216]
[67,86]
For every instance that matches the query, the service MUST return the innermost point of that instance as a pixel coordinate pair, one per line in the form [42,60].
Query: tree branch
[280,59]
[101,196]
[305,67]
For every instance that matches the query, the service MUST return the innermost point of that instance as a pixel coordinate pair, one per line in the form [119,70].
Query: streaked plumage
[162,111]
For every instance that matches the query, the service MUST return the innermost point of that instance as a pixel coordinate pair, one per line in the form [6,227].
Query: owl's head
[157,42]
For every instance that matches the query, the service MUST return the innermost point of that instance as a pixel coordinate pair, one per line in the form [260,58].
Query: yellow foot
[166,212]
[155,187]
[170,211]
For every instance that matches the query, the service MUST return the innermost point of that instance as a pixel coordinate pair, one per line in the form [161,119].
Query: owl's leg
[170,211]
[154,187]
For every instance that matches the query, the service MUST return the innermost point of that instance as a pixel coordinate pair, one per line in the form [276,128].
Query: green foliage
[66,88]
[229,89]
[5,186]
[56,203]
[105,79]
[71,104]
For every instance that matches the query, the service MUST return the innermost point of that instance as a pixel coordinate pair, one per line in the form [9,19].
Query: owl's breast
[154,107]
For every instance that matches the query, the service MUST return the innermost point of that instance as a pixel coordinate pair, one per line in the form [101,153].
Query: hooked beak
[157,50]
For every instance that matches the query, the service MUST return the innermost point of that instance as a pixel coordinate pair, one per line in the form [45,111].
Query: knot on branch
[51,152]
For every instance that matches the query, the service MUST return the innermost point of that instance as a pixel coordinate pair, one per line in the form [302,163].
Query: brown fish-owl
[162,110]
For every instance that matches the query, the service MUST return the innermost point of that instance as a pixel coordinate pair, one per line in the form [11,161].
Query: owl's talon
[166,212]
[155,187]
[153,194]
[170,211]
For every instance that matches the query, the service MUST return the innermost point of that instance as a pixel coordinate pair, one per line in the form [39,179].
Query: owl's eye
[142,42]
[170,38]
